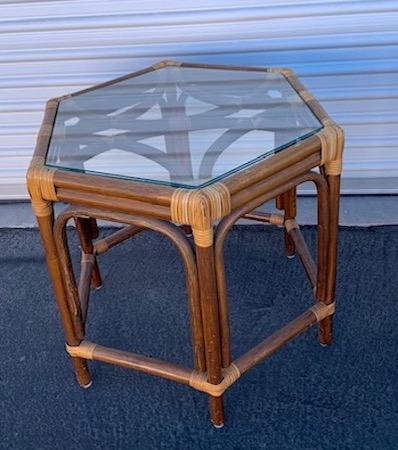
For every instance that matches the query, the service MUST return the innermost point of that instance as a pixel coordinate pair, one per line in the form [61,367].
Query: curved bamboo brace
[226,224]
[167,229]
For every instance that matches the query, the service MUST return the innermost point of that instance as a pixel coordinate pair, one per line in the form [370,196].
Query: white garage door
[346,53]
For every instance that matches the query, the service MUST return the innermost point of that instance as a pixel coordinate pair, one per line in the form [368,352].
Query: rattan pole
[45,219]
[46,230]
[220,235]
[44,135]
[311,101]
[223,310]
[227,222]
[109,83]
[309,150]
[84,286]
[260,216]
[290,207]
[94,230]
[144,192]
[113,203]
[275,341]
[323,236]
[119,236]
[196,320]
[139,363]
[85,231]
[177,236]
[279,202]
[326,326]
[305,255]
[274,181]
[72,295]
[208,295]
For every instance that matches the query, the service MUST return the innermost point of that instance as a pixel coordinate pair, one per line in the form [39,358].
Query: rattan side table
[179,147]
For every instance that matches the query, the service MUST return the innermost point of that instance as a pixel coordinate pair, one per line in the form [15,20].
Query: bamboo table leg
[46,223]
[208,293]
[288,203]
[87,231]
[326,326]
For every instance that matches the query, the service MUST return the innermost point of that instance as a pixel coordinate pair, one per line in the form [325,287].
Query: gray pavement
[354,211]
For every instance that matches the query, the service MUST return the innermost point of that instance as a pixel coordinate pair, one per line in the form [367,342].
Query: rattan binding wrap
[101,247]
[332,143]
[88,258]
[277,219]
[290,224]
[306,96]
[321,310]
[283,70]
[200,209]
[41,185]
[84,350]
[166,63]
[198,380]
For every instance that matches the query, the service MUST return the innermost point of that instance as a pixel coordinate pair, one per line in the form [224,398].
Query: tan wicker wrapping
[332,143]
[84,350]
[41,186]
[200,209]
[198,380]
[321,311]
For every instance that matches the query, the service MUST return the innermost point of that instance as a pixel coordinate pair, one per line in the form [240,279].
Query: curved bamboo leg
[46,229]
[177,236]
[226,224]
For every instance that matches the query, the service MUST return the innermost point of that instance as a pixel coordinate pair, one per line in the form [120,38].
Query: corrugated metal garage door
[346,52]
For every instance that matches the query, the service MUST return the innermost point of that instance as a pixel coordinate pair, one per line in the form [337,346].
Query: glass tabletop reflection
[179,126]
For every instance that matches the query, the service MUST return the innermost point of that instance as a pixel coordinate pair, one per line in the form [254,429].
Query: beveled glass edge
[191,186]
[172,63]
[316,109]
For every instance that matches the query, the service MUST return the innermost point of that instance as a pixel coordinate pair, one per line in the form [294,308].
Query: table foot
[82,372]
[325,331]
[217,411]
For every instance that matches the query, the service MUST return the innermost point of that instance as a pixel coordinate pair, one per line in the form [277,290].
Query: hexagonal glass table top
[179,125]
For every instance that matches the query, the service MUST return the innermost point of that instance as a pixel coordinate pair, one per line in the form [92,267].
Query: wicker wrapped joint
[227,140]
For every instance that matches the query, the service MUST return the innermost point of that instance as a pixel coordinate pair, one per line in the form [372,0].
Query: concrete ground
[354,211]
[303,397]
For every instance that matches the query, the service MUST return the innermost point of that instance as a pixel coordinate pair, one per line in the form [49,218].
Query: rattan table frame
[209,212]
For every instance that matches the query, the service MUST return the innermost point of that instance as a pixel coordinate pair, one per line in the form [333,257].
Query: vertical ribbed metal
[346,53]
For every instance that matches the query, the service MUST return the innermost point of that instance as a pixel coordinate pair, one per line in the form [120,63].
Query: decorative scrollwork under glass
[179,126]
